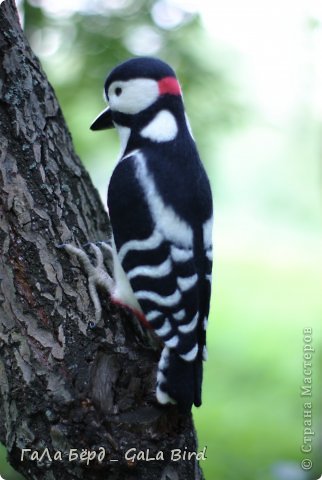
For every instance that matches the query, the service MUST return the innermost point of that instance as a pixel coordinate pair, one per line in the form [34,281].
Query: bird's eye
[118,91]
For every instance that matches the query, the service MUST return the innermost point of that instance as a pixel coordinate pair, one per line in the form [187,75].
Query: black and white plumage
[160,208]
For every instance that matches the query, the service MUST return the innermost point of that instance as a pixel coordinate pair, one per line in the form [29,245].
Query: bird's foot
[98,277]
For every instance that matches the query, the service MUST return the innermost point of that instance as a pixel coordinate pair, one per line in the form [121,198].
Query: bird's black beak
[103,121]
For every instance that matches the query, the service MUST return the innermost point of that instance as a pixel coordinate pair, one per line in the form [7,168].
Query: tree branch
[62,385]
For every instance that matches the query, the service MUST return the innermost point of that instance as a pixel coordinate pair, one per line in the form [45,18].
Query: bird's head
[135,86]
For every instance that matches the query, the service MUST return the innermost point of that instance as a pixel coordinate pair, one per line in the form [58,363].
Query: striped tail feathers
[178,381]
[179,376]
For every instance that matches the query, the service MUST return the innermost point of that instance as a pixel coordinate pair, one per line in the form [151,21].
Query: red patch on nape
[169,85]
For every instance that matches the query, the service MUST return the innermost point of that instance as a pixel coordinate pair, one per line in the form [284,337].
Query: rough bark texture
[64,386]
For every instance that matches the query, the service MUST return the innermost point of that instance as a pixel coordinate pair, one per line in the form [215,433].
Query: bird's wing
[156,250]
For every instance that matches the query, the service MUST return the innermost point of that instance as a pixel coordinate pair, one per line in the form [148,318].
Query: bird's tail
[179,381]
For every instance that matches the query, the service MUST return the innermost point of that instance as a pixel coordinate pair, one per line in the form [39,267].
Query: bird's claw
[96,272]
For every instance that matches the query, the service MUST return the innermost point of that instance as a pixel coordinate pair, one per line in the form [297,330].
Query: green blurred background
[251,74]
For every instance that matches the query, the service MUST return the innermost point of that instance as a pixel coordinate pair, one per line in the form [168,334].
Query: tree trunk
[65,389]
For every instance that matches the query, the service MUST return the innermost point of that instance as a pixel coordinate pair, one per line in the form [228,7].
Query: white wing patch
[173,342]
[163,301]
[163,128]
[167,222]
[207,233]
[161,395]
[180,254]
[152,271]
[165,329]
[207,240]
[190,326]
[185,283]
[179,315]
[153,315]
[154,241]
[190,356]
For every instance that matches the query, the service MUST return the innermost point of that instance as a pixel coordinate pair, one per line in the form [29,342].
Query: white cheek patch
[136,95]
[163,128]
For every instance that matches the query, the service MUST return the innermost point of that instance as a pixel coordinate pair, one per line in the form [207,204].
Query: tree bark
[66,389]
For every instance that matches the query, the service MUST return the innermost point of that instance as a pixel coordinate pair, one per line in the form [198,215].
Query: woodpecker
[160,207]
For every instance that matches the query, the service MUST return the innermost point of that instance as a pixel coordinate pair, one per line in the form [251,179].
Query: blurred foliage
[78,50]
[252,416]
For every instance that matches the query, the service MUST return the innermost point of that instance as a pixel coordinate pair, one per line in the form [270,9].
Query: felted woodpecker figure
[160,208]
